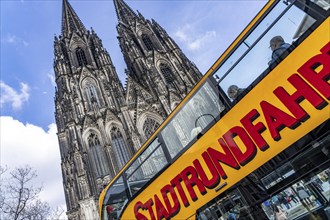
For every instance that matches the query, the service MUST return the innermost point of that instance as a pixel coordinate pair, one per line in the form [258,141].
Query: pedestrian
[267,206]
[276,201]
[324,177]
[279,214]
[282,197]
[292,195]
[303,195]
[232,214]
[318,183]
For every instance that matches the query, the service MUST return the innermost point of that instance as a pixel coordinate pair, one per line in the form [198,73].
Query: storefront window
[303,199]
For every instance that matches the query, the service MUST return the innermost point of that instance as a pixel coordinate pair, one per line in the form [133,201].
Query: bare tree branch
[19,199]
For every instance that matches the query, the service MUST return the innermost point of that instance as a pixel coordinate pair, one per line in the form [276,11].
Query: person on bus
[279,48]
[234,91]
[110,212]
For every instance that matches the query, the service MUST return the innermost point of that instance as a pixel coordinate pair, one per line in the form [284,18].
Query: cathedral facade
[101,123]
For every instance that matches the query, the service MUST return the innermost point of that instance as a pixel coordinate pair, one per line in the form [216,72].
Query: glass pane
[260,56]
[325,4]
[265,48]
[142,158]
[265,23]
[115,199]
[200,110]
[231,61]
[148,164]
[250,40]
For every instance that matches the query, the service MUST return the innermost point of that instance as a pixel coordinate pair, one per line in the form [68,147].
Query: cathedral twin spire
[100,124]
[71,21]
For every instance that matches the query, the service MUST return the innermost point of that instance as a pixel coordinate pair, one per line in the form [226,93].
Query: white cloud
[51,76]
[13,39]
[204,39]
[29,144]
[194,41]
[181,35]
[11,96]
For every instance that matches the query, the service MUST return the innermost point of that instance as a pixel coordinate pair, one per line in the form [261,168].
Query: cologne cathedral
[101,123]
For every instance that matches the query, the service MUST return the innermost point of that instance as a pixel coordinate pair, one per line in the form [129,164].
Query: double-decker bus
[250,139]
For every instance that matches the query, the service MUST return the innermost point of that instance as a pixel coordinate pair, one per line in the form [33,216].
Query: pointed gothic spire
[124,12]
[70,20]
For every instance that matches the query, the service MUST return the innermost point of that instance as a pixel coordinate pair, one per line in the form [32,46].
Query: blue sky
[202,29]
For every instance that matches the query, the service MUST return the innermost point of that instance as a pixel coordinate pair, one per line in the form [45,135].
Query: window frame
[147,42]
[81,57]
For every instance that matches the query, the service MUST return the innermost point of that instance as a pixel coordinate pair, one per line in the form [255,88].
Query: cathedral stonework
[100,123]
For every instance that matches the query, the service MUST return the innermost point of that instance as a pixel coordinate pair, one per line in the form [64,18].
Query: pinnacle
[70,20]
[123,11]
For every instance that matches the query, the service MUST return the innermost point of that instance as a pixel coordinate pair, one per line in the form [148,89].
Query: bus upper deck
[214,139]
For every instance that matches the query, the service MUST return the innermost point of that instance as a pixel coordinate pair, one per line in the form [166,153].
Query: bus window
[237,54]
[202,109]
[148,164]
[285,20]
[325,4]
[114,200]
[249,41]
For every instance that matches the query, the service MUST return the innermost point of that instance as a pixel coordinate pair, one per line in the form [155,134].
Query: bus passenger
[234,91]
[111,212]
[279,48]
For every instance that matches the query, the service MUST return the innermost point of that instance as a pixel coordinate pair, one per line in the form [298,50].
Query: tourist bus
[265,145]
